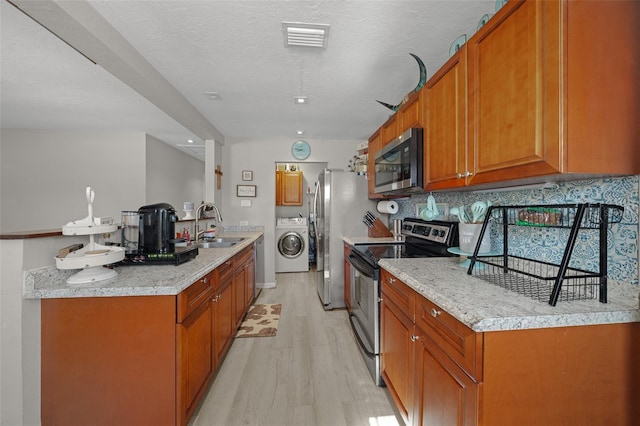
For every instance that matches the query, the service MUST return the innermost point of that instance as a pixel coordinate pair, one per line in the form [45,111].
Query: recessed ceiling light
[214,96]
[190,140]
[305,35]
[300,132]
[300,99]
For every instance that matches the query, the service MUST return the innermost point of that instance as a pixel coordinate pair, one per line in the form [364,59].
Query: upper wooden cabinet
[553,88]
[445,136]
[410,114]
[288,188]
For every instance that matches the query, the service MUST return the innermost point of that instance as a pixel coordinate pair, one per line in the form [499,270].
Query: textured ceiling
[234,48]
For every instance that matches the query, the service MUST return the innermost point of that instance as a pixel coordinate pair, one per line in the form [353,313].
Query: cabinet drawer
[243,257]
[403,296]
[193,296]
[459,342]
[223,273]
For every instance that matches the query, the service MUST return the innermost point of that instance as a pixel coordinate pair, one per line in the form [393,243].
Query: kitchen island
[458,350]
[140,348]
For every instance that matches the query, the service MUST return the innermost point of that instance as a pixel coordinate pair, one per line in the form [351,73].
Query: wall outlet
[244,223]
[245,203]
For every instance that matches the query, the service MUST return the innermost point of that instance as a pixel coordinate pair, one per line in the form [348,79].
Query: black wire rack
[542,280]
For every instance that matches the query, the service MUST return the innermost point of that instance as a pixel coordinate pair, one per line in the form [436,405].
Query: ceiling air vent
[306,35]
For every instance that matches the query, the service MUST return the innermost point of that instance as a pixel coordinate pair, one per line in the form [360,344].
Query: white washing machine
[292,244]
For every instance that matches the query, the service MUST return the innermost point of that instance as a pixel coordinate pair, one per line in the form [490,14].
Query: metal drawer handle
[435,312]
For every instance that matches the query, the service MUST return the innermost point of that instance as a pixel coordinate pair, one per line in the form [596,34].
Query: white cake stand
[93,256]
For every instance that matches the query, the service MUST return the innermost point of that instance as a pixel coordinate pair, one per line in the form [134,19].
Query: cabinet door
[223,321]
[445,153]
[347,276]
[195,362]
[291,189]
[410,114]
[278,188]
[396,351]
[445,395]
[239,296]
[507,95]
[250,284]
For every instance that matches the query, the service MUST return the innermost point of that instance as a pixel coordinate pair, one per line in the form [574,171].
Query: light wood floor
[310,373]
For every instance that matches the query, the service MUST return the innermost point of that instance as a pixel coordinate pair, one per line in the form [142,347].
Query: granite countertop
[371,240]
[148,280]
[486,307]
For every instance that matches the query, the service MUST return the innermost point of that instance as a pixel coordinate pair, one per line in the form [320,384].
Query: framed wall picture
[245,190]
[247,175]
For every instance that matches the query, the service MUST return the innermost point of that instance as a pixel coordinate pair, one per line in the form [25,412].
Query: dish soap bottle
[186,236]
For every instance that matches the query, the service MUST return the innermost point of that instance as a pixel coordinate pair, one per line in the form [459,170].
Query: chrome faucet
[199,210]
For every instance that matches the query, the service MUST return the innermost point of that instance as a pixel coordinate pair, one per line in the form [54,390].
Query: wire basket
[538,279]
[541,280]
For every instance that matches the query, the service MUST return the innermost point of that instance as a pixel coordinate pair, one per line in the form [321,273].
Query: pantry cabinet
[289,188]
[439,371]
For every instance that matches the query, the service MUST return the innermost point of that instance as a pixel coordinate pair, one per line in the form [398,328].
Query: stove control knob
[434,233]
[442,233]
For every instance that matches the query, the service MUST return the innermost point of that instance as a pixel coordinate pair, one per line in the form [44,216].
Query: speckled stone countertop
[486,307]
[50,282]
[371,240]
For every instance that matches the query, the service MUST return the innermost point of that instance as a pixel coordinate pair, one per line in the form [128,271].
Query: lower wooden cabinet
[138,360]
[440,372]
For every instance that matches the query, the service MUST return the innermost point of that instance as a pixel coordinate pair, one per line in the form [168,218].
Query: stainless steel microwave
[398,167]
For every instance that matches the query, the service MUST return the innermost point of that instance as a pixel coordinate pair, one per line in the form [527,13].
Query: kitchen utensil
[462,215]
[453,211]
[478,209]
[431,212]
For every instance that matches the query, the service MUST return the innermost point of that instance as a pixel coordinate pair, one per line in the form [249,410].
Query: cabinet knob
[414,338]
[391,280]
[435,312]
[205,280]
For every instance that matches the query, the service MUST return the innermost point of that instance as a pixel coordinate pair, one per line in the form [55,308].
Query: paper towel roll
[388,207]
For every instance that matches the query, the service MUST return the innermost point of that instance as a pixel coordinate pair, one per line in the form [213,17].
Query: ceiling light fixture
[300,132]
[189,140]
[214,96]
[300,99]
[305,35]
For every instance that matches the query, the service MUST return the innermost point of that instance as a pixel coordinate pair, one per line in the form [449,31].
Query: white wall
[260,157]
[172,176]
[43,176]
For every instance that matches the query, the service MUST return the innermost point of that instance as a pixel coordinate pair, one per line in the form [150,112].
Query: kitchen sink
[220,242]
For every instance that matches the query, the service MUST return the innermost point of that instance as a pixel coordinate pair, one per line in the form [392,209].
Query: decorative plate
[499,4]
[484,20]
[457,44]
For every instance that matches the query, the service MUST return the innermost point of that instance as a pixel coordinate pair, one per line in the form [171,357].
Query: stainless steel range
[422,239]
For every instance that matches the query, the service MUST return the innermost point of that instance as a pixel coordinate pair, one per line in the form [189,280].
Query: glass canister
[130,231]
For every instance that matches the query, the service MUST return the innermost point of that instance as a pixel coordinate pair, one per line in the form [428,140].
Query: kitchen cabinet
[439,371]
[133,360]
[224,323]
[289,188]
[243,289]
[541,103]
[194,345]
[410,114]
[445,136]
[347,276]
[396,343]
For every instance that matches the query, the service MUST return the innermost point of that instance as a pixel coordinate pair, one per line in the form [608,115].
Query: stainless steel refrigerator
[340,203]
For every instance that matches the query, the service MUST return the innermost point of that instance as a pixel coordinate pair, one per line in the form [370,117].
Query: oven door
[365,313]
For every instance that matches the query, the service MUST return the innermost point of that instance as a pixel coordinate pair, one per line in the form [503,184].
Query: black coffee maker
[157,231]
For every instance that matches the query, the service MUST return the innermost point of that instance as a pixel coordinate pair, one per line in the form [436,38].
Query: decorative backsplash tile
[549,243]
